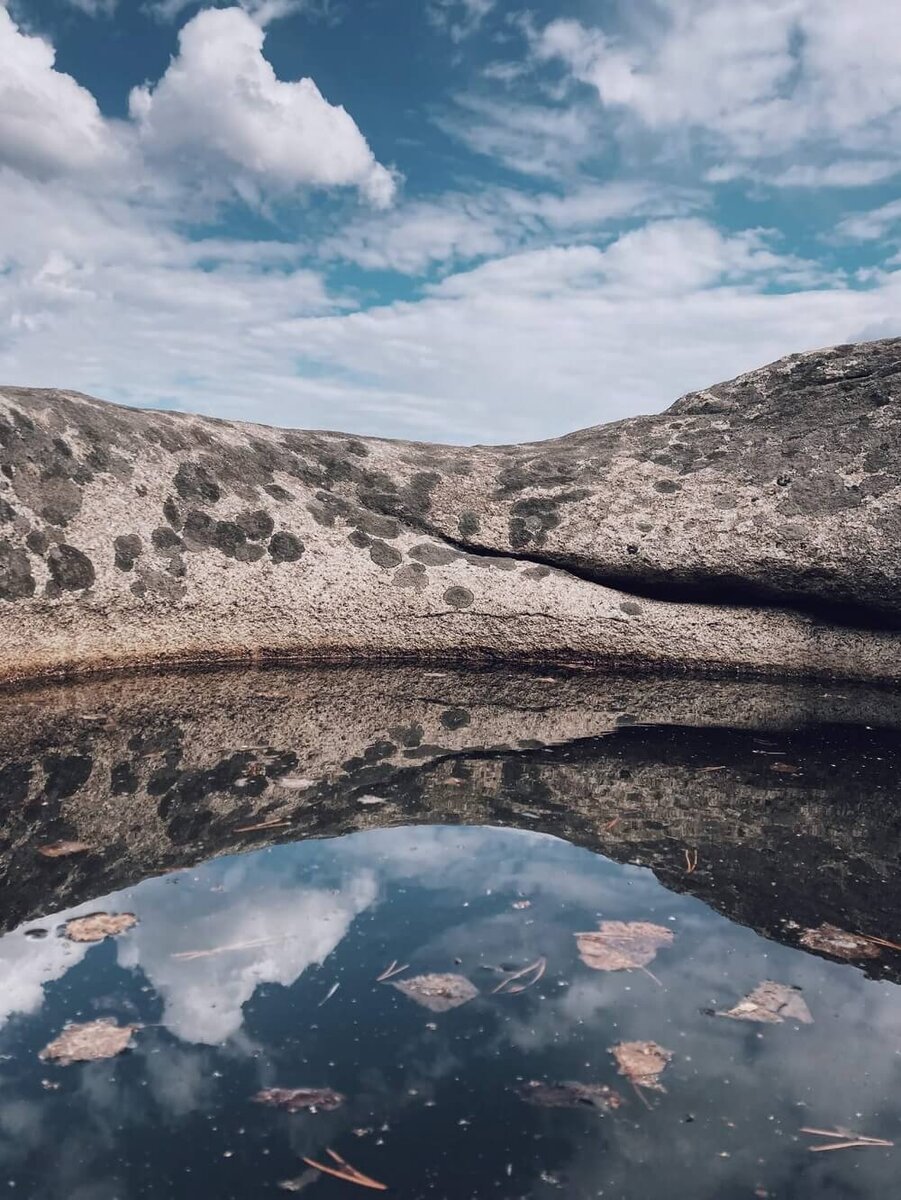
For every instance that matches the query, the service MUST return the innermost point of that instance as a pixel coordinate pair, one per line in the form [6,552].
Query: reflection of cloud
[290,929]
[26,965]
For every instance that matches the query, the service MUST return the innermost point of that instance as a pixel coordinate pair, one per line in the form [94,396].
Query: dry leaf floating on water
[642,1063]
[343,1170]
[570,1095]
[88,1042]
[829,939]
[300,1099]
[438,992]
[771,1003]
[622,945]
[97,926]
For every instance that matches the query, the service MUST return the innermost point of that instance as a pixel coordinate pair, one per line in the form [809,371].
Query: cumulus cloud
[761,80]
[221,108]
[49,124]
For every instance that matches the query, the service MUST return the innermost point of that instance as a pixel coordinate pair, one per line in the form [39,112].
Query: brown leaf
[622,945]
[63,849]
[784,768]
[570,1095]
[86,1043]
[829,939]
[298,1099]
[438,992]
[642,1063]
[97,926]
[771,1003]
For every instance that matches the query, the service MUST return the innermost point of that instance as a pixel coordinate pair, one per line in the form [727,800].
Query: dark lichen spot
[171,513]
[539,572]
[433,555]
[285,547]
[123,781]
[127,547]
[667,486]
[377,525]
[455,718]
[359,539]
[199,529]
[70,568]
[194,482]
[458,597]
[631,608]
[469,523]
[37,542]
[358,449]
[65,774]
[257,525]
[16,579]
[277,492]
[165,539]
[7,512]
[412,575]
[384,555]
[14,780]
[229,537]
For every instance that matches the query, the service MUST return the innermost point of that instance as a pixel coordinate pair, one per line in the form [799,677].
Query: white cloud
[869,226]
[49,124]
[533,139]
[760,80]
[290,929]
[845,173]
[459,227]
[220,108]
[95,8]
[460,19]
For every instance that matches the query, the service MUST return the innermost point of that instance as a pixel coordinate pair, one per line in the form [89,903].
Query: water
[277,834]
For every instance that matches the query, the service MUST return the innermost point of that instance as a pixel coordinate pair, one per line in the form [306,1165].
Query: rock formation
[784,794]
[754,526]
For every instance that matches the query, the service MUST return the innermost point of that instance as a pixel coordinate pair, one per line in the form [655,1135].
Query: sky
[452,220]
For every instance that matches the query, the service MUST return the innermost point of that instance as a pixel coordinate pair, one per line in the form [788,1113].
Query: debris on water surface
[534,971]
[438,992]
[97,926]
[622,945]
[272,823]
[843,1139]
[300,1183]
[570,1095]
[390,971]
[328,995]
[63,849]
[829,939]
[642,1063]
[345,1171]
[300,1099]
[771,1003]
[691,861]
[520,904]
[784,768]
[89,1042]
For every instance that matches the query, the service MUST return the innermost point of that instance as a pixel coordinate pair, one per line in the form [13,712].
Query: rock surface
[155,772]
[754,526]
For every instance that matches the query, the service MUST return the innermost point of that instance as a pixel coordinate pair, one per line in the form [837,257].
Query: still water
[272,897]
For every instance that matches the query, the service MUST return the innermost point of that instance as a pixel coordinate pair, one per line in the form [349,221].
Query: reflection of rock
[129,536]
[792,810]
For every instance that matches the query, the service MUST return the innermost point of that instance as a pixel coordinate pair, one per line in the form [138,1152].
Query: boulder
[752,527]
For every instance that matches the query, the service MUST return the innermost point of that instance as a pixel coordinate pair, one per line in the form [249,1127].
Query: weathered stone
[754,526]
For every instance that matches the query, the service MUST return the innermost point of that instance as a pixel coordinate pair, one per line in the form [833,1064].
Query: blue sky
[462,220]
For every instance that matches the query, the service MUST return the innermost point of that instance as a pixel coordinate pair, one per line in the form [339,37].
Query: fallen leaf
[829,939]
[535,970]
[97,926]
[622,945]
[845,1140]
[784,768]
[272,823]
[86,1043]
[570,1095]
[438,992]
[771,1003]
[299,1099]
[63,849]
[642,1063]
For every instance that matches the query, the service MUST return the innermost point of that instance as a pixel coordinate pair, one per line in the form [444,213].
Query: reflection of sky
[737,1096]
